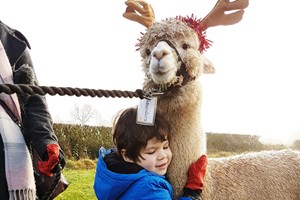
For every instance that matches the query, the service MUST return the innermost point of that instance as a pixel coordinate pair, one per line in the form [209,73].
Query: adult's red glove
[196,173]
[46,167]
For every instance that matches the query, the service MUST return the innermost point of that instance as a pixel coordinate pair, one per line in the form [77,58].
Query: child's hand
[196,173]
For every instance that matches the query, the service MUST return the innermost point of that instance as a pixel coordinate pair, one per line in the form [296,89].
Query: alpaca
[263,175]
[172,64]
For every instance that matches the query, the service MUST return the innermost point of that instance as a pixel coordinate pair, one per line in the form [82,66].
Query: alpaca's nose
[161,50]
[159,54]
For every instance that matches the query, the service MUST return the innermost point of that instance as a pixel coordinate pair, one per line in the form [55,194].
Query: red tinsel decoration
[194,23]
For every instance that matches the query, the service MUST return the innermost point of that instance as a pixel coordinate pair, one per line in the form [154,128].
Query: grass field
[80,185]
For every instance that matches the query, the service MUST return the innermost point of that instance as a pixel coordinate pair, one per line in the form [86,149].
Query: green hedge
[80,142]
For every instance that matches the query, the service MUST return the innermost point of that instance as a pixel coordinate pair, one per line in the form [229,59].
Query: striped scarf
[18,163]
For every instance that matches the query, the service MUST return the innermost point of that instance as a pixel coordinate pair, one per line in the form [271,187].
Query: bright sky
[88,44]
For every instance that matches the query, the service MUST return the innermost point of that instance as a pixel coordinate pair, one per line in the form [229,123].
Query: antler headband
[142,12]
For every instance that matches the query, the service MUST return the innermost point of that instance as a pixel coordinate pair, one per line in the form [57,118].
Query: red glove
[196,173]
[46,167]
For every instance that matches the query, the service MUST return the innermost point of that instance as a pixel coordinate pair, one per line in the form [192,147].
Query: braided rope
[22,89]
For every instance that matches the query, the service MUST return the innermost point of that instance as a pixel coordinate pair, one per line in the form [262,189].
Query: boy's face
[157,156]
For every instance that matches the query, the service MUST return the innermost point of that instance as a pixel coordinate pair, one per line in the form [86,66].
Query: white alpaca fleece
[181,102]
[267,175]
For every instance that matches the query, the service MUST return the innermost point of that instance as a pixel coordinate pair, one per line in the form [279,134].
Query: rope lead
[22,89]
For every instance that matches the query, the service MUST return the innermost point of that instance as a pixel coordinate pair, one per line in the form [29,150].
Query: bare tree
[83,114]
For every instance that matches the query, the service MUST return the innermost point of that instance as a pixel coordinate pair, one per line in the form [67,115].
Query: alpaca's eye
[148,52]
[185,46]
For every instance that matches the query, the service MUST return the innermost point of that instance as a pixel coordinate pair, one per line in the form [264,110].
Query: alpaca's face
[163,64]
[164,47]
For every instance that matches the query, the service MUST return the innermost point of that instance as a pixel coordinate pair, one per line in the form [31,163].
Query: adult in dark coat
[37,124]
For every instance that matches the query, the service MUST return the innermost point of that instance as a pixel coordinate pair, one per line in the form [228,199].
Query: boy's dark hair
[133,137]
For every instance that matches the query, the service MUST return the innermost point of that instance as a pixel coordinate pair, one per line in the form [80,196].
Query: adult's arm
[36,118]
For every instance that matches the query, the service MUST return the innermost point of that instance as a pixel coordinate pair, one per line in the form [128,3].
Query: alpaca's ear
[139,11]
[208,67]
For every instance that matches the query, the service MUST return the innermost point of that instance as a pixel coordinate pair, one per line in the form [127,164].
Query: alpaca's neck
[184,99]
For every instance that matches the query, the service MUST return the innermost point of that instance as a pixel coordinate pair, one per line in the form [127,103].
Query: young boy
[136,168]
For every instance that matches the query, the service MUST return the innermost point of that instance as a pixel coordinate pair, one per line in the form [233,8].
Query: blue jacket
[143,185]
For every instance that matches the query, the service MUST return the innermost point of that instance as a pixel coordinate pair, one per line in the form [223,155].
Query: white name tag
[146,111]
